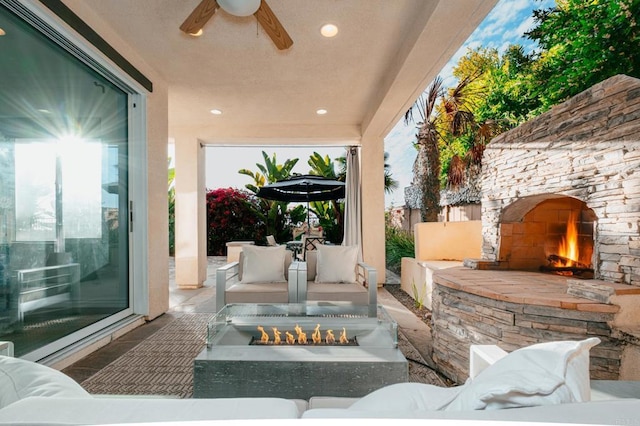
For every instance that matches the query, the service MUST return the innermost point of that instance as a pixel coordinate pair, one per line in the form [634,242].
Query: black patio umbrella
[303,188]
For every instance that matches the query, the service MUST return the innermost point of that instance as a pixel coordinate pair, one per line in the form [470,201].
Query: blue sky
[504,25]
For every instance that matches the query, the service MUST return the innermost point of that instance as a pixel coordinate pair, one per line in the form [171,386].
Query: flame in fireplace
[568,247]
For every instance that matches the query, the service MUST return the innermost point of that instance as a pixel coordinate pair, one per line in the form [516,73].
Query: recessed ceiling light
[321,111]
[329,30]
[197,34]
[2,32]
[216,112]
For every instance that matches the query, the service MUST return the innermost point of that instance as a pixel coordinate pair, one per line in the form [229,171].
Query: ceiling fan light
[197,33]
[240,7]
[329,30]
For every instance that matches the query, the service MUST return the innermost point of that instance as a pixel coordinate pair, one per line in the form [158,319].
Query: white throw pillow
[336,264]
[541,374]
[21,379]
[263,264]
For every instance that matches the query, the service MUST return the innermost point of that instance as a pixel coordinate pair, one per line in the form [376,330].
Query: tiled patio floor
[202,300]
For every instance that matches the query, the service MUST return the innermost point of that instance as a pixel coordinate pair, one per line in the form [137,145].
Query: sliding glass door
[63,191]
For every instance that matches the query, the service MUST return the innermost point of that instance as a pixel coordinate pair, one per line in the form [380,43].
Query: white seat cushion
[335,292]
[258,293]
[37,410]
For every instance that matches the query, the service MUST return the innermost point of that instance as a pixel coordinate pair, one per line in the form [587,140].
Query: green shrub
[398,244]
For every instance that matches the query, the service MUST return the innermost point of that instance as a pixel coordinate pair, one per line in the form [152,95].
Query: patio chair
[271,241]
[333,273]
[310,243]
[261,275]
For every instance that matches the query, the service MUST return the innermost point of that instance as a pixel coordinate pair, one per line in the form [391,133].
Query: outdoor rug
[163,363]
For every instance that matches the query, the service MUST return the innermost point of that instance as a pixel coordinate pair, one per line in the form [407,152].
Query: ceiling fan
[258,8]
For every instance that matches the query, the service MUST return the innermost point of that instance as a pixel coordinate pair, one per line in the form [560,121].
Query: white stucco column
[372,161]
[191,220]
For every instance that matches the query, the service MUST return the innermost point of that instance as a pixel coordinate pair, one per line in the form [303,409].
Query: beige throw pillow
[263,264]
[336,264]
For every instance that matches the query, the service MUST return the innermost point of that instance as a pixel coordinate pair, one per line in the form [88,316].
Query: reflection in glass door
[63,191]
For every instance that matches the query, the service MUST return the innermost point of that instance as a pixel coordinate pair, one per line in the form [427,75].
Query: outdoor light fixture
[329,30]
[321,111]
[240,7]
[216,112]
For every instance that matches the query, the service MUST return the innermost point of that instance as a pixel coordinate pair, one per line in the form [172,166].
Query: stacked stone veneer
[461,319]
[586,148]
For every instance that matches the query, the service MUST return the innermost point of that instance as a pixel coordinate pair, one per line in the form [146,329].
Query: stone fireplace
[583,156]
[561,194]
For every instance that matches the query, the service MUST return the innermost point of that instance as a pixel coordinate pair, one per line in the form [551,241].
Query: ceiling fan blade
[273,27]
[200,15]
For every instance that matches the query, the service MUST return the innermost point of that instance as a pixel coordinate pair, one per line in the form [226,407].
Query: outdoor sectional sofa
[268,275]
[547,382]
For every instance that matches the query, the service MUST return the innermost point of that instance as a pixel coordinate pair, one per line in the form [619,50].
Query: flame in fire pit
[276,336]
[343,336]
[290,338]
[301,339]
[265,337]
[330,338]
[316,336]
[302,336]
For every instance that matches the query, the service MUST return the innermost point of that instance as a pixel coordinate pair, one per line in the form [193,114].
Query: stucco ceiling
[384,55]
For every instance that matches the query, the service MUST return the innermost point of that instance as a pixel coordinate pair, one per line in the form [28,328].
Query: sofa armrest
[6,349]
[222,278]
[368,276]
[293,281]
[301,281]
[482,356]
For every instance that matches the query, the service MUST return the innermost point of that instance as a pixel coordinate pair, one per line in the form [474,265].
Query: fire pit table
[298,351]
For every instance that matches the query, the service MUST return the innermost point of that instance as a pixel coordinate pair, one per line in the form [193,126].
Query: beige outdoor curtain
[353,202]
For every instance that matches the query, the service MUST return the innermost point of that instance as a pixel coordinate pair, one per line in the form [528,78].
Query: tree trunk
[428,168]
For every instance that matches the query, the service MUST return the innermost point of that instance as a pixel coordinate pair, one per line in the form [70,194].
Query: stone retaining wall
[461,319]
[586,148]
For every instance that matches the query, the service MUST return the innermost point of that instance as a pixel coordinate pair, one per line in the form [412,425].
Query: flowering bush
[231,216]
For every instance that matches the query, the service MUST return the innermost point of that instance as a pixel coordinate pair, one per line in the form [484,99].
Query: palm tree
[390,184]
[275,213]
[329,213]
[426,168]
